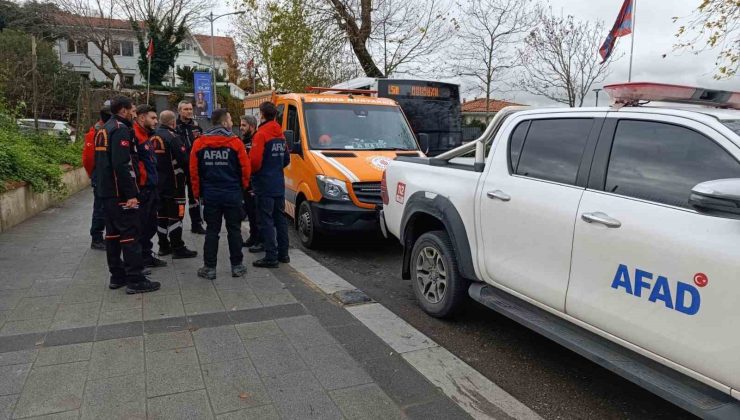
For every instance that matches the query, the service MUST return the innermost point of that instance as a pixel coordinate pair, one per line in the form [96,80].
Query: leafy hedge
[35,159]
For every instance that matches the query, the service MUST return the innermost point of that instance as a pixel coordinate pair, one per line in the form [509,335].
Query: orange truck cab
[340,145]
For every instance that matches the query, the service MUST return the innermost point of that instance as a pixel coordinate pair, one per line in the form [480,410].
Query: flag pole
[632,46]
[149,72]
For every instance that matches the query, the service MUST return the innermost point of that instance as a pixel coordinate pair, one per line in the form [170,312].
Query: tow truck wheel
[305,223]
[437,284]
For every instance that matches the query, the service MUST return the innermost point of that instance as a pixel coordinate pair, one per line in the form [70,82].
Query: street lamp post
[211,19]
[597,90]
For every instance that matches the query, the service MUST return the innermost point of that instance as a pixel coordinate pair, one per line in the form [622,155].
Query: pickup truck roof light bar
[633,94]
[315,89]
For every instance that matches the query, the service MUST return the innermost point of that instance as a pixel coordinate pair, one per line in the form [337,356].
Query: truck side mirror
[424,142]
[719,197]
[293,143]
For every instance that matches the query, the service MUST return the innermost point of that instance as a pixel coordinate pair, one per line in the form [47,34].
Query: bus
[432,108]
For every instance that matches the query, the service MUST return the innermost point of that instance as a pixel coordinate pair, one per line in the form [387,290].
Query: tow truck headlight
[332,188]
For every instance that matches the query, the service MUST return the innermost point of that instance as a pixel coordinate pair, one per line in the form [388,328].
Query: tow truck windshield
[357,127]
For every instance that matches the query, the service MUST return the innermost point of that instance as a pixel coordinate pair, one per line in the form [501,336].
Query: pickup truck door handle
[602,219]
[498,195]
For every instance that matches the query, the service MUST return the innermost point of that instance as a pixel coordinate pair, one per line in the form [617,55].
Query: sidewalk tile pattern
[260,347]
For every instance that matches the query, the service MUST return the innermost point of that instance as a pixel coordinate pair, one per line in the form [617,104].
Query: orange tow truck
[340,145]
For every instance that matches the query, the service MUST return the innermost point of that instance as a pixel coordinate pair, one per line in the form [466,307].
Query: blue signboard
[203,94]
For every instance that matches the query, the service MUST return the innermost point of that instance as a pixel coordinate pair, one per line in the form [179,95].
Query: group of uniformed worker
[141,165]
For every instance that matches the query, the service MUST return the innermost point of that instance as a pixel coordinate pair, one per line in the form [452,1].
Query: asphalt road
[553,381]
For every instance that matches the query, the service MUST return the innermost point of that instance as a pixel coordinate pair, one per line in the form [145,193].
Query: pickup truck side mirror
[424,142]
[720,197]
[293,143]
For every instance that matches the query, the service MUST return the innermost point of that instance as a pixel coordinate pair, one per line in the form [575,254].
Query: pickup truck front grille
[368,192]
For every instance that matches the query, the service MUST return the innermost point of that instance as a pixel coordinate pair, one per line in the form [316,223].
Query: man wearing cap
[88,161]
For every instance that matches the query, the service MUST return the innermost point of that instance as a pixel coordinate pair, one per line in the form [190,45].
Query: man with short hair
[88,161]
[117,172]
[171,157]
[189,130]
[269,156]
[144,125]
[248,126]
[219,172]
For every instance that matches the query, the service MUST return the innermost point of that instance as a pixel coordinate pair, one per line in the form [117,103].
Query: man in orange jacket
[88,161]
[219,172]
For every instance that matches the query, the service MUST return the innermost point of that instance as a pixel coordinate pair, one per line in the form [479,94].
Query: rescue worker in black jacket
[171,156]
[144,124]
[117,174]
[189,130]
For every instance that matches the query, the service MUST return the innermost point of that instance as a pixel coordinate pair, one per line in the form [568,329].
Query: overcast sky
[654,36]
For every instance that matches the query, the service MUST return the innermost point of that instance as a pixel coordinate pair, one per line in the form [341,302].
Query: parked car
[51,127]
[612,231]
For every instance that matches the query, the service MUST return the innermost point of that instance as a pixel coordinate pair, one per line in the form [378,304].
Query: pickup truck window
[661,162]
[293,122]
[515,145]
[553,149]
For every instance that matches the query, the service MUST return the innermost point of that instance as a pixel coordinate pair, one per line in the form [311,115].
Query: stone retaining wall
[21,203]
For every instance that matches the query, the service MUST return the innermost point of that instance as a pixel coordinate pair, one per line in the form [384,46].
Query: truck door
[647,267]
[528,203]
[297,171]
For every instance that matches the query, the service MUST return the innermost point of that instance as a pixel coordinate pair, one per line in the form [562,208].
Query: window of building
[115,47]
[79,47]
[127,48]
[71,46]
[128,79]
[553,149]
[662,162]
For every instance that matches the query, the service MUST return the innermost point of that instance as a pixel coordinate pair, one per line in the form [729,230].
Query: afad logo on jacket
[684,298]
[217,157]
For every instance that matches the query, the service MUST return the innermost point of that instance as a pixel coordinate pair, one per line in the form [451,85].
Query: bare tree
[714,24]
[93,21]
[485,47]
[392,33]
[560,58]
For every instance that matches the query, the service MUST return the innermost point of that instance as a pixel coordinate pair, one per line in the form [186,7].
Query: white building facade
[195,53]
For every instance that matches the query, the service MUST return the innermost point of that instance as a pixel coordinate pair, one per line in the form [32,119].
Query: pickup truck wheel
[305,224]
[437,284]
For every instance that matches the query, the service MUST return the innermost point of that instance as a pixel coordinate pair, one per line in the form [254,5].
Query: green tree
[58,85]
[166,35]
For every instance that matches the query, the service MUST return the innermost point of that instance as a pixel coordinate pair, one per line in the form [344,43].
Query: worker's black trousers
[169,222]
[148,204]
[121,238]
[194,207]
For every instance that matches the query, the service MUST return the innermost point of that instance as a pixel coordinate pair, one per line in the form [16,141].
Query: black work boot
[164,250]
[116,283]
[198,229]
[238,270]
[183,252]
[265,263]
[142,286]
[152,261]
[97,244]
[208,273]
[284,259]
[250,242]
[257,249]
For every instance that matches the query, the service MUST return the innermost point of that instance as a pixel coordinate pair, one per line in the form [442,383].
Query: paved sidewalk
[266,346]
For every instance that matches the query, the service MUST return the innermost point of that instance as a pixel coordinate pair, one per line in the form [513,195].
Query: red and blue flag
[622,27]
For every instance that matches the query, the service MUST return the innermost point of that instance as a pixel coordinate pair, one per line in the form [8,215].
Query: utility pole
[211,19]
[34,83]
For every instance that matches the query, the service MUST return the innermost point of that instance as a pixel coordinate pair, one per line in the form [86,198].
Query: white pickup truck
[613,231]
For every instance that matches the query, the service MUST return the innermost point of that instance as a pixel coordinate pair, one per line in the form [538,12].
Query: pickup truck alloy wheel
[431,274]
[437,284]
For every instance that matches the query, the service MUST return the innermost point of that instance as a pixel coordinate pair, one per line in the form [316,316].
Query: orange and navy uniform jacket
[116,160]
[269,155]
[147,157]
[171,159]
[88,149]
[219,168]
